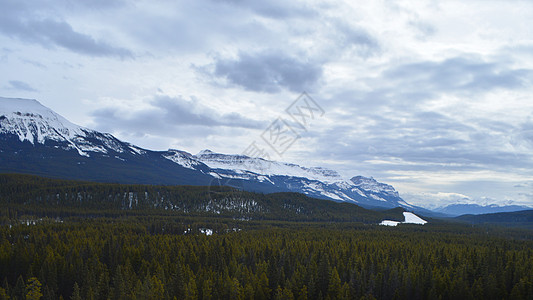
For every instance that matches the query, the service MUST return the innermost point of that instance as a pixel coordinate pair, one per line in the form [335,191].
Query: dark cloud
[423,29]
[269,72]
[97,4]
[406,87]
[29,24]
[347,36]
[20,86]
[399,138]
[273,9]
[181,111]
[168,116]
[459,74]
[195,27]
[34,63]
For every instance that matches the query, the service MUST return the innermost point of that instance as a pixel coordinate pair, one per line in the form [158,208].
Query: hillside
[28,194]
[511,219]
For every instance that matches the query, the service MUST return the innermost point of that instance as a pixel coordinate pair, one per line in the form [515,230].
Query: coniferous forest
[76,240]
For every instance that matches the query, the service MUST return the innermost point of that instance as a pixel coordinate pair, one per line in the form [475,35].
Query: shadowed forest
[146,253]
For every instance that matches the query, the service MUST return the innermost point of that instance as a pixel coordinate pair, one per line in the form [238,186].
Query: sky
[432,97]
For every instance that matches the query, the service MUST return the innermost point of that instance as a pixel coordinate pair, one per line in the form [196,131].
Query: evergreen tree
[33,289]
[334,287]
[76,292]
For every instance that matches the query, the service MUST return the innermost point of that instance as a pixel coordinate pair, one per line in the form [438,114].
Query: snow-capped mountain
[316,181]
[265,167]
[36,140]
[30,121]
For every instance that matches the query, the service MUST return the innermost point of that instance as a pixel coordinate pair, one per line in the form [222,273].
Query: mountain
[36,140]
[522,219]
[475,209]
[316,182]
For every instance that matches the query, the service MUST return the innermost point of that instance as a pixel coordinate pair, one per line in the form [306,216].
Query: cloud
[268,71]
[346,36]
[406,87]
[191,112]
[410,91]
[274,9]
[170,115]
[31,25]
[458,74]
[20,86]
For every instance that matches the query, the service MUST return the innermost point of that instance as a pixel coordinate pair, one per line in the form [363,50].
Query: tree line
[101,259]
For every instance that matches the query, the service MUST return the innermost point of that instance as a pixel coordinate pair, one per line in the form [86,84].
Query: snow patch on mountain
[315,182]
[137,150]
[182,158]
[370,184]
[265,167]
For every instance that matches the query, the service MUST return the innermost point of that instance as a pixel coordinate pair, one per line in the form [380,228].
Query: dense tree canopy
[65,250]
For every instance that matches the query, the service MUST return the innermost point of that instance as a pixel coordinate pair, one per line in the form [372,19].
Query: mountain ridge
[36,140]
[458,209]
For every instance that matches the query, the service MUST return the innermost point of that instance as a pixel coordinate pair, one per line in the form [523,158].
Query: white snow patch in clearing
[410,218]
[413,219]
[206,231]
[389,223]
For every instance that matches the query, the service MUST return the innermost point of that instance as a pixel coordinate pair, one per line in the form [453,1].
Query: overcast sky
[435,98]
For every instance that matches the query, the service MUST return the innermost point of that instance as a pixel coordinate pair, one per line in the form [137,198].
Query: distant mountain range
[522,219]
[475,209]
[36,140]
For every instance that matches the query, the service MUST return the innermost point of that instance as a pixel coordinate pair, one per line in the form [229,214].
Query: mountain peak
[34,122]
[204,152]
[21,105]
[363,179]
[370,184]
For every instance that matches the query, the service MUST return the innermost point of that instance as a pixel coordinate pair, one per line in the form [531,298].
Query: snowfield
[410,218]
[413,219]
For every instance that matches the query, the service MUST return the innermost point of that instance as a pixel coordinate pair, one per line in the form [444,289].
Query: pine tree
[303,293]
[33,289]
[334,287]
[3,294]
[207,289]
[191,292]
[76,292]
[19,291]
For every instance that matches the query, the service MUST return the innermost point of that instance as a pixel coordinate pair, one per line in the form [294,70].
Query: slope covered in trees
[511,219]
[25,194]
[75,240]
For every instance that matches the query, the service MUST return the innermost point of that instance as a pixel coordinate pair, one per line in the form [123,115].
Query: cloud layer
[433,98]
[23,21]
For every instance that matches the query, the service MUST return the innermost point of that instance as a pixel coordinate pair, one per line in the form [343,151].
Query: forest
[69,250]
